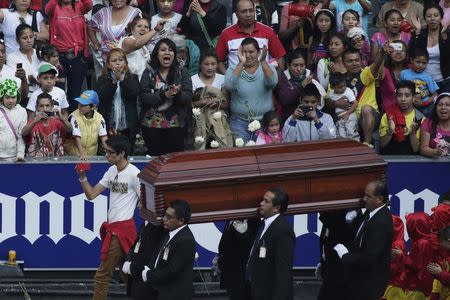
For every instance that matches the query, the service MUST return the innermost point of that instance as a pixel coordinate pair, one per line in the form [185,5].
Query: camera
[305,110]
[301,10]
[397,46]
[50,113]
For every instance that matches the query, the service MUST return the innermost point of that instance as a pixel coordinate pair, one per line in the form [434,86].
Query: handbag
[212,43]
[9,123]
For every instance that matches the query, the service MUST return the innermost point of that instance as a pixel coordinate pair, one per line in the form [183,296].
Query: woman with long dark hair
[166,101]
[69,36]
[324,26]
[21,13]
[437,43]
[435,131]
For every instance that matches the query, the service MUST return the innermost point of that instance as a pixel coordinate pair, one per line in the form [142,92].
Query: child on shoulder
[88,126]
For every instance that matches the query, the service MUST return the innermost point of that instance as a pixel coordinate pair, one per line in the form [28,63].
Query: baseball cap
[88,97]
[47,68]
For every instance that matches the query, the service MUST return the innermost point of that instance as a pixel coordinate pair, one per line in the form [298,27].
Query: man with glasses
[368,259]
[170,273]
[118,233]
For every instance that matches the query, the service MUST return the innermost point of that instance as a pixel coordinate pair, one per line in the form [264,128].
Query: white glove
[144,273]
[215,265]
[318,271]
[350,216]
[240,226]
[341,250]
[126,267]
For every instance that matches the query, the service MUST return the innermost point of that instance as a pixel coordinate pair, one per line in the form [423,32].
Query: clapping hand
[263,54]
[307,80]
[434,268]
[195,6]
[241,55]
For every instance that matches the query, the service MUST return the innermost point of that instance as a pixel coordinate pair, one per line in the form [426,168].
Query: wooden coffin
[227,184]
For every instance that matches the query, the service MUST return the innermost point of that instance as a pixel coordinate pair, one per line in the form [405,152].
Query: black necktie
[251,258]
[163,247]
[361,229]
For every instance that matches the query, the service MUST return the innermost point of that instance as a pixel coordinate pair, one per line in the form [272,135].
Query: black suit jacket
[369,260]
[172,278]
[271,276]
[140,255]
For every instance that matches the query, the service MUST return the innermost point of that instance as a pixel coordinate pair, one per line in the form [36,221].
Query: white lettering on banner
[8,217]
[407,200]
[207,235]
[33,216]
[100,215]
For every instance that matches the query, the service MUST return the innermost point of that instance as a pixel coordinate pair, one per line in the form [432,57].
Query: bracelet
[82,179]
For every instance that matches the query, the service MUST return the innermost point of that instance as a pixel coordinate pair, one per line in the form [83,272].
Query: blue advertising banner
[45,217]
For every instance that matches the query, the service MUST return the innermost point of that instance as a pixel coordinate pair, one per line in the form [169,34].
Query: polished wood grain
[229,183]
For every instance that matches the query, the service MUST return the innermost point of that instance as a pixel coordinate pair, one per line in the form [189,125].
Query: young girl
[26,55]
[360,41]
[324,26]
[48,54]
[362,7]
[392,22]
[271,130]
[212,123]
[118,90]
[13,118]
[47,130]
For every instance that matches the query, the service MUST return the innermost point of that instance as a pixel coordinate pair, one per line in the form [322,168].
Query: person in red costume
[441,270]
[419,281]
[395,288]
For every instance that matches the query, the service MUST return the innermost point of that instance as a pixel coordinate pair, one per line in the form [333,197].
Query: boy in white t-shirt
[347,124]
[46,77]
[118,233]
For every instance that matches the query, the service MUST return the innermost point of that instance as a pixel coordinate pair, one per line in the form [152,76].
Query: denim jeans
[239,128]
[76,72]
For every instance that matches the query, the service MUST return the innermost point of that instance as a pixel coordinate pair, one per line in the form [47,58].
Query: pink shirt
[440,133]
[380,38]
[446,18]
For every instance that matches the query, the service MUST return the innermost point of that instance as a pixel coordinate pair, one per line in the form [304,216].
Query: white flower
[217,115]
[199,139]
[250,143]
[196,111]
[239,142]
[214,144]
[254,125]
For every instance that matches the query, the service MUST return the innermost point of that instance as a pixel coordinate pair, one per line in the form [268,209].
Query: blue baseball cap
[88,97]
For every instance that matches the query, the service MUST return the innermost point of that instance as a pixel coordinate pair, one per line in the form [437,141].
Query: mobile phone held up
[19,66]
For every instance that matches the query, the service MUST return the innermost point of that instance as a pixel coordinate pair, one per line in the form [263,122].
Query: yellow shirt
[368,96]
[409,118]
[89,131]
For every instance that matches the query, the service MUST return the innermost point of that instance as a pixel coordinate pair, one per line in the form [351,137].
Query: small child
[347,123]
[13,118]
[49,54]
[88,125]
[441,270]
[47,130]
[271,130]
[165,18]
[426,87]
[46,77]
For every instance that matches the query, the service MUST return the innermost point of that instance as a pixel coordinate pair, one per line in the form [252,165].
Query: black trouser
[75,69]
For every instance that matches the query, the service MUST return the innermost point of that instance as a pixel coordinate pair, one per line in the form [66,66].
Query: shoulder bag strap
[9,123]
[205,32]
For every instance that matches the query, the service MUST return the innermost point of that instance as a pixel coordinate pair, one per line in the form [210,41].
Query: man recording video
[308,123]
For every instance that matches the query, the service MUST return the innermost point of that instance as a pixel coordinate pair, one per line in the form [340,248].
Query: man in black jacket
[369,258]
[269,266]
[170,273]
